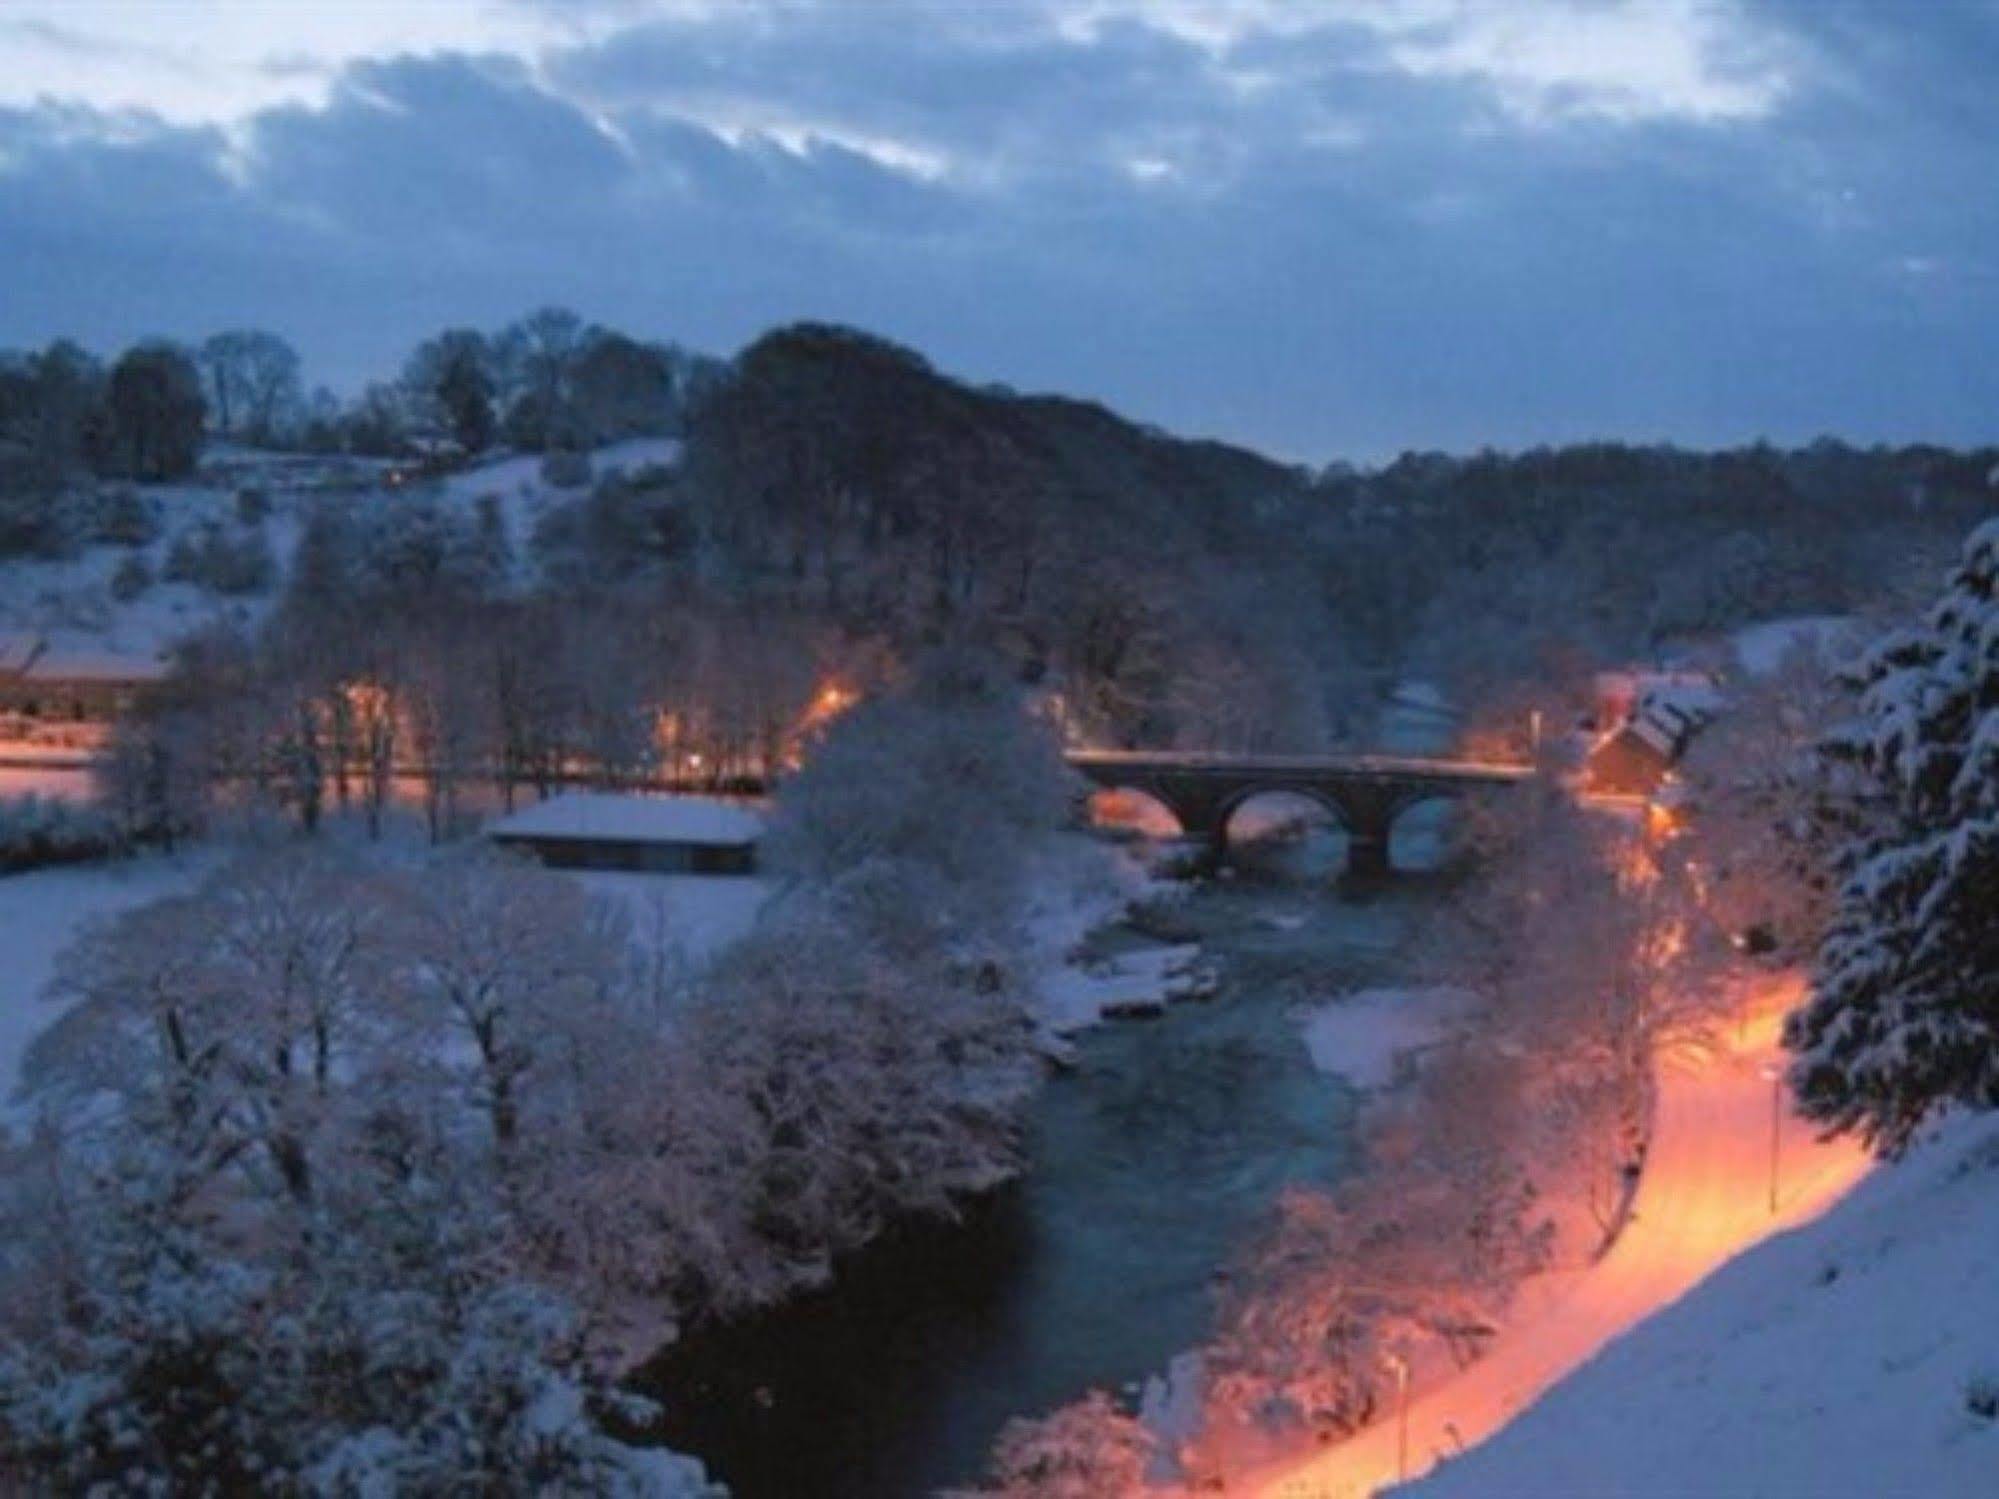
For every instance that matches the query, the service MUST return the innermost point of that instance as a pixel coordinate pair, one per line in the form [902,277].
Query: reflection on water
[1151,1164]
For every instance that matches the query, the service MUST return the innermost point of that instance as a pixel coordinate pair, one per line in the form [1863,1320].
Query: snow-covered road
[1704,1198]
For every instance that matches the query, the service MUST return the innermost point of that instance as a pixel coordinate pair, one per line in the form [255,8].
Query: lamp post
[1776,1075]
[1401,1367]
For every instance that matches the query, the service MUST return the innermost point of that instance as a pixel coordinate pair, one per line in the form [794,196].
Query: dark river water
[1151,1165]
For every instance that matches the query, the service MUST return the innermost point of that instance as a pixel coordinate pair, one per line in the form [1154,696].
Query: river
[1150,1165]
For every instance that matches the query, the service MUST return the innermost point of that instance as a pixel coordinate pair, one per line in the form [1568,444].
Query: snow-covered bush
[37,830]
[222,559]
[1904,1013]
[1087,1450]
[125,518]
[629,525]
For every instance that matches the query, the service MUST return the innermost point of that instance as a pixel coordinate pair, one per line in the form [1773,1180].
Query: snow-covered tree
[493,960]
[1765,810]
[264,1242]
[226,1021]
[879,1087]
[1904,1013]
[1089,1449]
[914,811]
[374,1343]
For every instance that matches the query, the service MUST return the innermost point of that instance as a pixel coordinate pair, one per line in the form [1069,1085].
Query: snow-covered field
[41,912]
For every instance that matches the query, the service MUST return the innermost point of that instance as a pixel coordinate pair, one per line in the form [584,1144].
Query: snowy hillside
[1853,1356]
[237,522]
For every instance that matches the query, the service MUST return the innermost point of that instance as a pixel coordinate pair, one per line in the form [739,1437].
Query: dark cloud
[1280,236]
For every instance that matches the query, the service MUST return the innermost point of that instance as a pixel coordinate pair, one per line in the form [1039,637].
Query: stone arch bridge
[1366,793]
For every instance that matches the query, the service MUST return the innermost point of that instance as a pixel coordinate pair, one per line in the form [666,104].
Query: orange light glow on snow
[1713,1187]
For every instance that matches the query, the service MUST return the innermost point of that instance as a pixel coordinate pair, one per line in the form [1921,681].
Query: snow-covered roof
[632,819]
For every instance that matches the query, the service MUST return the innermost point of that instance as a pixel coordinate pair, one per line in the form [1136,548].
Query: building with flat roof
[642,834]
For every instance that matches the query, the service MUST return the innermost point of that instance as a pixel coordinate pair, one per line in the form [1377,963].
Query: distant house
[1652,716]
[49,683]
[643,834]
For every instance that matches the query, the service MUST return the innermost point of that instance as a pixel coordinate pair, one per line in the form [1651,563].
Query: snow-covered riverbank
[1852,1357]
[1703,1200]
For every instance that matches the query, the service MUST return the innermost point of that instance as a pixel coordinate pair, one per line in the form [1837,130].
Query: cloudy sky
[1332,229]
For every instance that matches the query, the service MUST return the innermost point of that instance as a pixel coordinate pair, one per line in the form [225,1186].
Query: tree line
[546,382]
[1169,592]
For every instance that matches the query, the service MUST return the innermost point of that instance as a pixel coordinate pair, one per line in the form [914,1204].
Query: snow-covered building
[1650,717]
[645,834]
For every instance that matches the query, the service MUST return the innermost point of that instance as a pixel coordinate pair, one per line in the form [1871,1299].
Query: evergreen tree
[1904,1015]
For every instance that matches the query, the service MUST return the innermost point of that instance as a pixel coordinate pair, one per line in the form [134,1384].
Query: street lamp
[1401,1367]
[1775,1074]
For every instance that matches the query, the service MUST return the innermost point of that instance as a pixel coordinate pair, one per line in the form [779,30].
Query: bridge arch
[1278,800]
[1424,831]
[1134,809]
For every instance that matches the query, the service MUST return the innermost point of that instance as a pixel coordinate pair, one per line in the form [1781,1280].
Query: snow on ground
[40,913]
[1364,1036]
[1842,1359]
[524,496]
[1704,1198]
[1140,982]
[1761,648]
[695,915]
[1078,885]
[70,601]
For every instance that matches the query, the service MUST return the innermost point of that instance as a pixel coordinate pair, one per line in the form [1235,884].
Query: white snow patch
[1364,1036]
[1141,982]
[693,916]
[1761,648]
[40,913]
